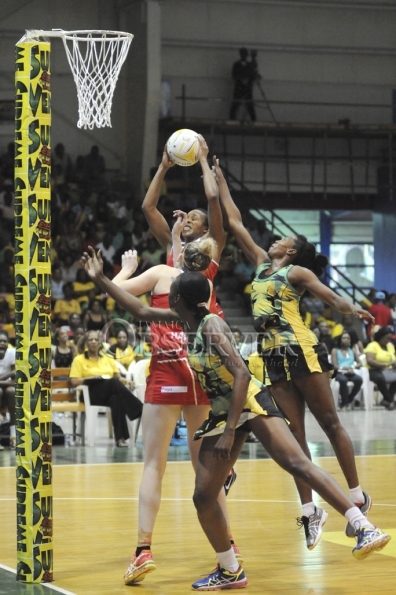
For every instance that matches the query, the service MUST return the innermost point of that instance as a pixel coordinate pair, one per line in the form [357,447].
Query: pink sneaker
[139,567]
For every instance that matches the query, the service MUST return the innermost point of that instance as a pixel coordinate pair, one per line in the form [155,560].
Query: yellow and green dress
[218,383]
[289,349]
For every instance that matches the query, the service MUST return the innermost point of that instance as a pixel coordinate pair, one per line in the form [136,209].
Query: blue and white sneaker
[221,578]
[368,541]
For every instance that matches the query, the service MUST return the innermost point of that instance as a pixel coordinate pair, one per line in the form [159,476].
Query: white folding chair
[91,416]
[139,379]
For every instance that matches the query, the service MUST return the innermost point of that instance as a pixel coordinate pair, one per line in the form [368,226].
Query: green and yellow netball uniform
[289,349]
[218,383]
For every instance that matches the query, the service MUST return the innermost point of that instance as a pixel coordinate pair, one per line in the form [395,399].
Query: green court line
[9,585]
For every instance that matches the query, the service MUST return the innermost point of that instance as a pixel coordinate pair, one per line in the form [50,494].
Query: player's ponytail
[306,256]
[197,256]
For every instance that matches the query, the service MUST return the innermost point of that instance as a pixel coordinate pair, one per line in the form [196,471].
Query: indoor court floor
[95,515]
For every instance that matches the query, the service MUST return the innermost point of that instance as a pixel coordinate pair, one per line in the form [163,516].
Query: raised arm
[252,251]
[215,216]
[177,247]
[157,222]
[129,264]
[304,280]
[93,264]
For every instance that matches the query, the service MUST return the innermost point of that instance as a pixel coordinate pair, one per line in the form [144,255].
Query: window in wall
[356,261]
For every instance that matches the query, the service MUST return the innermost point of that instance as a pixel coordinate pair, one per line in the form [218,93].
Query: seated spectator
[382,314]
[238,337]
[94,317]
[325,336]
[392,307]
[121,350]
[56,284]
[77,337]
[139,236]
[345,362]
[65,307]
[152,255]
[381,362]
[119,319]
[305,314]
[63,350]
[7,384]
[328,317]
[315,306]
[245,347]
[69,268]
[108,250]
[82,286]
[347,324]
[101,375]
[142,347]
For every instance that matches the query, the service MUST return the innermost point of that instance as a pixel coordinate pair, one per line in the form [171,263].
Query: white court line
[238,462]
[48,585]
[181,500]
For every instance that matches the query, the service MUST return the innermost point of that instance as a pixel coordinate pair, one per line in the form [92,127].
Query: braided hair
[306,256]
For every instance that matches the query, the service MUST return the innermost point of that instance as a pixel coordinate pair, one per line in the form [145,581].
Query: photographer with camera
[244,73]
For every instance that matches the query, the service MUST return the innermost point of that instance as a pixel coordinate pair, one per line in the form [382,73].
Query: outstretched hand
[203,148]
[129,261]
[181,220]
[360,313]
[217,173]
[92,263]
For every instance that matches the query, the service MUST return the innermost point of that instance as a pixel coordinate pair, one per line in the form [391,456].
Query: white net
[95,67]
[95,58]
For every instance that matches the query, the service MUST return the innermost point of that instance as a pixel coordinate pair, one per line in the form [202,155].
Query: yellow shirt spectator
[85,367]
[63,308]
[382,355]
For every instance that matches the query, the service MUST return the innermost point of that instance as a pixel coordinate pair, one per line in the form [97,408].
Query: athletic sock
[140,549]
[227,560]
[357,495]
[357,519]
[308,509]
[12,431]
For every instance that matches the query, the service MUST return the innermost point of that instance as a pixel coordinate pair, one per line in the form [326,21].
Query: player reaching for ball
[199,223]
[295,364]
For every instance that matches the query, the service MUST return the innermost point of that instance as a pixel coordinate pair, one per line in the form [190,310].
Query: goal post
[95,58]
[33,312]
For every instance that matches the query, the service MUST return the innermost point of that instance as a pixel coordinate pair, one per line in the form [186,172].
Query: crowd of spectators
[86,210]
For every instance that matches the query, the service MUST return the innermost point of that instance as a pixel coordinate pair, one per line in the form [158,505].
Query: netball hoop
[95,59]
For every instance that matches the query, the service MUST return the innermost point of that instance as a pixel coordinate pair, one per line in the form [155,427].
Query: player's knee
[299,466]
[202,499]
[330,423]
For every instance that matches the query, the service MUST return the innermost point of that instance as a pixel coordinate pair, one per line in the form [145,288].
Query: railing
[352,291]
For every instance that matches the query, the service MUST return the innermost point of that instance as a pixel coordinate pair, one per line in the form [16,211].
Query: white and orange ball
[183,146]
